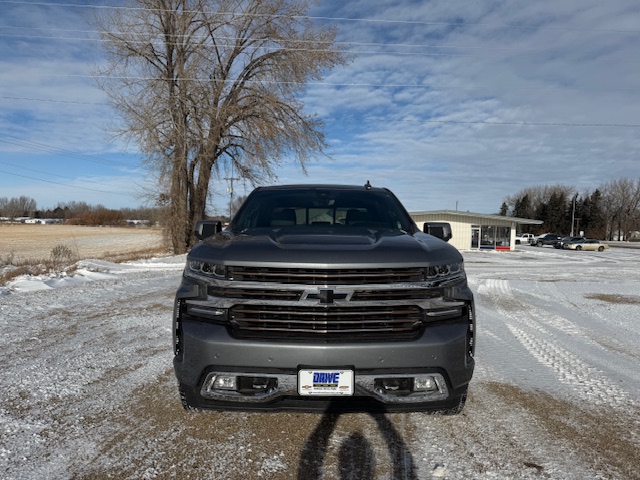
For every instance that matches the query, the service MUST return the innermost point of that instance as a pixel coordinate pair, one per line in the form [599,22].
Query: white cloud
[540,69]
[445,101]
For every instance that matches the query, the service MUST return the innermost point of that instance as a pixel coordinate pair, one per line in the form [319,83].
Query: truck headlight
[445,271]
[207,269]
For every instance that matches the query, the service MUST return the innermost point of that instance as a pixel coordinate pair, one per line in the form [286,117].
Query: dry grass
[586,430]
[40,249]
[615,298]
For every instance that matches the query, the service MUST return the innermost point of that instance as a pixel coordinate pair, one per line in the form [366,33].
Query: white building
[42,221]
[476,231]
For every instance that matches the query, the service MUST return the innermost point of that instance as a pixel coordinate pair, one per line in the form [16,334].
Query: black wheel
[600,249]
[185,401]
[579,247]
[454,409]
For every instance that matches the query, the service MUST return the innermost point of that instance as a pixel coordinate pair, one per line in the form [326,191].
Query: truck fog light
[425,384]
[224,382]
[259,383]
[256,385]
[393,385]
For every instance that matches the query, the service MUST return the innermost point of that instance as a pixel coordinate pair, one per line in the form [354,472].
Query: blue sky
[451,104]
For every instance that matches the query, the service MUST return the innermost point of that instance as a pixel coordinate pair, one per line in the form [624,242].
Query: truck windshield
[305,207]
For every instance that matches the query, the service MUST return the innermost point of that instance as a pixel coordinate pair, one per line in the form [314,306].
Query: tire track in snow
[588,382]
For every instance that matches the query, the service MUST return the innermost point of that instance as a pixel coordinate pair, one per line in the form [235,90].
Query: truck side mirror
[441,230]
[207,228]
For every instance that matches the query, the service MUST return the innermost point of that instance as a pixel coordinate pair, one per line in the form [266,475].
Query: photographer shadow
[356,456]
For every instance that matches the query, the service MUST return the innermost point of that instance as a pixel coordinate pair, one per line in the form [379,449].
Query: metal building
[477,231]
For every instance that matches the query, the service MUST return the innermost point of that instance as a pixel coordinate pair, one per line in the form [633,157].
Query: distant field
[35,242]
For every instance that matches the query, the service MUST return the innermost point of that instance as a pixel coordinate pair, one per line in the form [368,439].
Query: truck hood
[322,247]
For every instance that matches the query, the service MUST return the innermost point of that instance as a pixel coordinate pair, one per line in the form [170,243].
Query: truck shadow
[356,456]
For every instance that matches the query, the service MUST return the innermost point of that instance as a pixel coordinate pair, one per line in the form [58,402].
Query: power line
[51,174]
[71,102]
[370,85]
[359,44]
[493,49]
[328,84]
[290,49]
[64,184]
[461,122]
[196,37]
[538,124]
[382,51]
[58,151]
[329,18]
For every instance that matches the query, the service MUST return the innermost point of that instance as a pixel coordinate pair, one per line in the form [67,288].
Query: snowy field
[87,388]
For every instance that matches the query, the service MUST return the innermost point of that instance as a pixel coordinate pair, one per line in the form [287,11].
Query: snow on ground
[87,271]
[87,389]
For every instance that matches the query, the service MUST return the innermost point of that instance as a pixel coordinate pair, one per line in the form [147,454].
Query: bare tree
[237,203]
[612,211]
[202,84]
[621,204]
[17,207]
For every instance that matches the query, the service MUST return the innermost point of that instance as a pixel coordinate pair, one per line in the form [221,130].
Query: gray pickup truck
[323,297]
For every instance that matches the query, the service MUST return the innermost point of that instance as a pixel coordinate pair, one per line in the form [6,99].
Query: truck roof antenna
[367,185]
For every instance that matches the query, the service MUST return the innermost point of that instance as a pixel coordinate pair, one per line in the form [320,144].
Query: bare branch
[200,83]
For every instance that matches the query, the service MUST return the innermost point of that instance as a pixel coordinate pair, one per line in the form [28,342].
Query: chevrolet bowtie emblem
[326,295]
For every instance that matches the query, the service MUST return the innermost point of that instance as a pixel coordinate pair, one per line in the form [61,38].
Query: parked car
[588,244]
[565,240]
[546,239]
[523,238]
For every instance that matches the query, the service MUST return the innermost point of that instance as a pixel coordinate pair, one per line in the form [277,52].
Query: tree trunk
[199,191]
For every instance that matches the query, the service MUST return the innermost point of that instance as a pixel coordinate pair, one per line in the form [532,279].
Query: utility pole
[573,213]
[231,179]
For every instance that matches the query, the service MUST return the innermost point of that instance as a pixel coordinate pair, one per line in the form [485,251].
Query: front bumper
[442,352]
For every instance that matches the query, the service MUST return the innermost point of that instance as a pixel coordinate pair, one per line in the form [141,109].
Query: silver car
[587,244]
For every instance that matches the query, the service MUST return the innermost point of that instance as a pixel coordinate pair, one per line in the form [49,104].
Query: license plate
[325,382]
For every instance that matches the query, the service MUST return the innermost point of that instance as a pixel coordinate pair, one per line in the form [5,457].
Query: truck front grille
[321,322]
[294,294]
[312,276]
[254,293]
